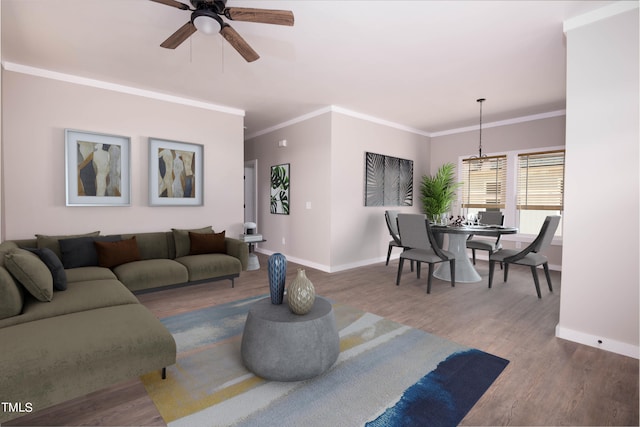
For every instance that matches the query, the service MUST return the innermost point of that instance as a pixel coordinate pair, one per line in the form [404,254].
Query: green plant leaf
[439,191]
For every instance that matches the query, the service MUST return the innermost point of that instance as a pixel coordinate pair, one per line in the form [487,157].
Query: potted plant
[439,192]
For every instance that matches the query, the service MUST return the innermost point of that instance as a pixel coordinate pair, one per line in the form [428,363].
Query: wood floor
[548,381]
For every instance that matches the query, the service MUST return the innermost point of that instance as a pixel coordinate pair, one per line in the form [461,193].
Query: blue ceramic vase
[277,272]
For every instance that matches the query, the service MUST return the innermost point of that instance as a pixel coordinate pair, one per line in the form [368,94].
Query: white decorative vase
[301,294]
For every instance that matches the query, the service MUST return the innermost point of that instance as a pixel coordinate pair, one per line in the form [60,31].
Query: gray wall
[327,155]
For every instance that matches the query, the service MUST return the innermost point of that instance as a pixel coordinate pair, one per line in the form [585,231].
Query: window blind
[541,181]
[484,182]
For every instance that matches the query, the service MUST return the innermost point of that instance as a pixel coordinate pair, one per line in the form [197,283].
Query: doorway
[250,191]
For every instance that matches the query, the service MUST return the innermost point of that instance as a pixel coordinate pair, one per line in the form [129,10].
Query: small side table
[282,346]
[253,262]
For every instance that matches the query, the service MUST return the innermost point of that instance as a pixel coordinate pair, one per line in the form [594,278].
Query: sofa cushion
[31,272]
[210,266]
[182,242]
[151,273]
[51,242]
[83,274]
[76,354]
[11,293]
[54,265]
[213,243]
[112,254]
[153,245]
[81,251]
[79,296]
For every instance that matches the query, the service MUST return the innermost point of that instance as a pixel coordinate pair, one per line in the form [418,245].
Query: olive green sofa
[62,344]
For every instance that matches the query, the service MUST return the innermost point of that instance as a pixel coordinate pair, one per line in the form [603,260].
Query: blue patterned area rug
[387,374]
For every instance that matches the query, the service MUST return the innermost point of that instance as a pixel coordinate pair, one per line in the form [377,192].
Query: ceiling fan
[206,16]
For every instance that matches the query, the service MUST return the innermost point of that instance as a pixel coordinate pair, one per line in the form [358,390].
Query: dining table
[458,235]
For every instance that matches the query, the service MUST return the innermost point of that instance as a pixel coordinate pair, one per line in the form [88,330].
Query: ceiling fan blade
[179,36]
[238,43]
[264,16]
[173,3]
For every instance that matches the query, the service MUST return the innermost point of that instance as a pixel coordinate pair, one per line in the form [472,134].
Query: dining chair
[391,217]
[416,234]
[530,255]
[490,245]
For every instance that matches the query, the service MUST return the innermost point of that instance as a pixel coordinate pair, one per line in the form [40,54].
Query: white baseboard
[362,263]
[304,262]
[603,343]
[326,268]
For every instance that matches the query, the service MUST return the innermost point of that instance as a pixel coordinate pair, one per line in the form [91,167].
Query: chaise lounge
[70,324]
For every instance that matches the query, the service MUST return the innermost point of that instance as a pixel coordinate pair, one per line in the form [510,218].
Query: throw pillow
[31,273]
[112,254]
[54,265]
[207,243]
[51,242]
[81,252]
[11,295]
[182,241]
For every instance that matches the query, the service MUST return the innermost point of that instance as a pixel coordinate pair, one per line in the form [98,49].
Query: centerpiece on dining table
[459,221]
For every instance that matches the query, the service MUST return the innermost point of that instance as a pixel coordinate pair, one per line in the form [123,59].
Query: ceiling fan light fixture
[206,21]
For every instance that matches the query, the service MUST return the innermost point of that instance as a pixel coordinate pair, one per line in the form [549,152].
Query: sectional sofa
[70,322]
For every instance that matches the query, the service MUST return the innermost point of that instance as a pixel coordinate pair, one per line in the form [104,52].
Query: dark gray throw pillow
[81,252]
[54,265]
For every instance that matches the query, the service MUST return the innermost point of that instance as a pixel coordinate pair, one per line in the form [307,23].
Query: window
[525,186]
[540,189]
[484,183]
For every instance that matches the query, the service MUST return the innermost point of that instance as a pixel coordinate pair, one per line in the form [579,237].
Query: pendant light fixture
[480,155]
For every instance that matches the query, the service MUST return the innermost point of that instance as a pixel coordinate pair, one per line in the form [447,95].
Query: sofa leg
[164,373]
[233,284]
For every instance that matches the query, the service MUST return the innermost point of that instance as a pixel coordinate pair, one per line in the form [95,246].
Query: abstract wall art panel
[97,169]
[175,173]
[388,181]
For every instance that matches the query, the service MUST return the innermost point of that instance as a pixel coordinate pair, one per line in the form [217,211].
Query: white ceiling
[420,64]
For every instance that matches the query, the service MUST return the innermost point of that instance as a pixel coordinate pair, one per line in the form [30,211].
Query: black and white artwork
[388,181]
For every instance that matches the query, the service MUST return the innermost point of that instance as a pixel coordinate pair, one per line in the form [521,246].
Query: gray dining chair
[416,234]
[490,245]
[391,217]
[530,255]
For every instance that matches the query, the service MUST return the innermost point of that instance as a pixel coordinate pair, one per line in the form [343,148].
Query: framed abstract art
[388,181]
[97,169]
[176,173]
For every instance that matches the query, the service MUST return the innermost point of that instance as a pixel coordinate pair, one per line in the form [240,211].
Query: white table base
[253,262]
[465,272]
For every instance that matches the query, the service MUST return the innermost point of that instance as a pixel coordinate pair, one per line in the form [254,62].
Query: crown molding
[293,121]
[377,120]
[499,123]
[339,110]
[355,114]
[599,14]
[69,78]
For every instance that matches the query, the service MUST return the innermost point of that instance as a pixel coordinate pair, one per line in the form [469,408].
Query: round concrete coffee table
[282,346]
